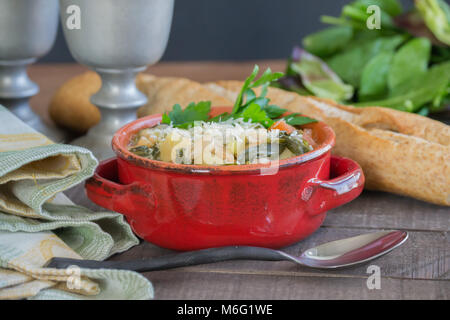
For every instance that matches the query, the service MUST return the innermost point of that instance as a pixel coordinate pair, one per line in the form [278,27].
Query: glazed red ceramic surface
[187,207]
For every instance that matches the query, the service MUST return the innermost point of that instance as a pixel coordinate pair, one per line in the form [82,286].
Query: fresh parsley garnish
[247,95]
[254,113]
[185,118]
[274,111]
[247,106]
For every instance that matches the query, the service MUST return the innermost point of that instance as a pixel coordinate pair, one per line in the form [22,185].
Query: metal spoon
[335,254]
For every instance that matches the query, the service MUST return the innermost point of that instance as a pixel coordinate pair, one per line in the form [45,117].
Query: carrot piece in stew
[282,126]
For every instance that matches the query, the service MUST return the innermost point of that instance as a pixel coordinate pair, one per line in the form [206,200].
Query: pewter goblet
[117,39]
[27,32]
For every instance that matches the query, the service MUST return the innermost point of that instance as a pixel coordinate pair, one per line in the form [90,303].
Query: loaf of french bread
[399,152]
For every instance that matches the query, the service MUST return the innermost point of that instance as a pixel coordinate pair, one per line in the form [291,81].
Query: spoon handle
[176,260]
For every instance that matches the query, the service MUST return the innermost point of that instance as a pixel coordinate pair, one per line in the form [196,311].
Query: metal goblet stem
[27,32]
[16,88]
[117,39]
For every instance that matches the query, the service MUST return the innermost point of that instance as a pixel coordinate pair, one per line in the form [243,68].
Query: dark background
[235,29]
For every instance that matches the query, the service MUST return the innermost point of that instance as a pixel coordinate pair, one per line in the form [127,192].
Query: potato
[176,148]
[235,146]
[217,155]
[144,141]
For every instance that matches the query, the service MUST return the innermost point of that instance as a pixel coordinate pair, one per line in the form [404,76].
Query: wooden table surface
[419,269]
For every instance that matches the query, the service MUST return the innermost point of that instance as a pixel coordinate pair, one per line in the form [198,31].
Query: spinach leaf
[328,41]
[355,15]
[409,63]
[431,88]
[391,7]
[357,11]
[350,63]
[374,77]
[295,119]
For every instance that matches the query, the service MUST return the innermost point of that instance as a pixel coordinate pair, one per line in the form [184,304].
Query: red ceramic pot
[187,207]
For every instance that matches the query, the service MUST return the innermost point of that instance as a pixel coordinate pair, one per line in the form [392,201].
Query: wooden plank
[389,211]
[199,285]
[425,255]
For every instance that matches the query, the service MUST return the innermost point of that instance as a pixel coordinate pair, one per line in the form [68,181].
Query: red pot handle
[346,183]
[105,190]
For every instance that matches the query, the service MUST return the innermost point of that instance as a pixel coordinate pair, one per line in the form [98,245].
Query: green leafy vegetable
[254,113]
[221,117]
[294,143]
[402,65]
[274,111]
[431,88]
[436,14]
[146,152]
[374,77]
[295,119]
[247,96]
[248,106]
[391,7]
[409,63]
[424,111]
[413,23]
[318,78]
[356,15]
[185,118]
[357,11]
[350,63]
[328,41]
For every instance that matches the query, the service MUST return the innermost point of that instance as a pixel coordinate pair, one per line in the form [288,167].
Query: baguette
[399,152]
[70,106]
[163,93]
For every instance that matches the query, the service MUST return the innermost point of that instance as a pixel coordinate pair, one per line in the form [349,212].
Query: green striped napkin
[37,222]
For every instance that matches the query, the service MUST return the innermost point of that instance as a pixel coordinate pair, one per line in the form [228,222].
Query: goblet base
[14,80]
[99,145]
[98,139]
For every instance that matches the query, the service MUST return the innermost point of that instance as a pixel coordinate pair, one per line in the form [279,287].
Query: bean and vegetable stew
[253,132]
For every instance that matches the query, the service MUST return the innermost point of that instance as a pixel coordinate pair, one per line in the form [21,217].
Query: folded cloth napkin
[37,222]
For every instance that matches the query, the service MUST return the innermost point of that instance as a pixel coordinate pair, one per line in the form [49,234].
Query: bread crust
[70,106]
[400,152]
[163,93]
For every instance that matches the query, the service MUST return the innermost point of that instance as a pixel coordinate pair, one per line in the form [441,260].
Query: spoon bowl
[351,251]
